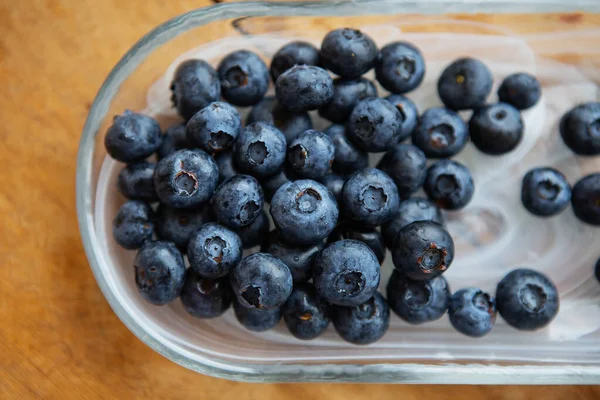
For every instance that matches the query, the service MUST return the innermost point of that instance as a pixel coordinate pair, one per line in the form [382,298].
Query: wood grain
[59,339]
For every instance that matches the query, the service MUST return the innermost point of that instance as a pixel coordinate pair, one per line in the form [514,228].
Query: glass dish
[567,63]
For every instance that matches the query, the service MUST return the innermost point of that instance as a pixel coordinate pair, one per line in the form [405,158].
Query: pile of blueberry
[334,216]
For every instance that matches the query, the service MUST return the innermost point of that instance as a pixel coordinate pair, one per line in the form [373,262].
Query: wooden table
[59,338]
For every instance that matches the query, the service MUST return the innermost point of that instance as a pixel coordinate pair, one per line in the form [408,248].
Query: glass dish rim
[384,372]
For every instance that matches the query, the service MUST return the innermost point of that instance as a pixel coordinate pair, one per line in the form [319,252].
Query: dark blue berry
[271,184]
[346,273]
[194,86]
[134,224]
[252,235]
[496,129]
[545,191]
[407,166]
[261,281]
[365,323]
[304,211]
[465,84]
[260,149]
[370,197]
[527,299]
[254,319]
[215,127]
[237,201]
[400,67]
[305,313]
[173,139]
[290,123]
[213,250]
[244,78]
[348,158]
[423,250]
[177,225]
[186,178]
[472,312]
[521,89]
[335,184]
[294,53]
[304,87]
[417,302]
[132,137]
[440,133]
[409,113]
[226,164]
[374,125]
[346,95]
[299,259]
[580,129]
[159,272]
[205,298]
[310,154]
[585,199]
[136,181]
[348,53]
[370,237]
[449,184]
[409,211]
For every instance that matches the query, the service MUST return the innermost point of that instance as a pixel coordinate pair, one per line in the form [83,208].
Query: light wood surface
[59,339]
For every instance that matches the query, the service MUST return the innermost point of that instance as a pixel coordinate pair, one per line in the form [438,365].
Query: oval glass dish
[494,234]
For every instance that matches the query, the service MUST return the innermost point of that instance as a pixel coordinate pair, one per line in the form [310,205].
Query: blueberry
[305,212]
[237,201]
[177,225]
[449,184]
[305,313]
[253,234]
[346,273]
[260,149]
[335,184]
[409,211]
[374,125]
[173,139]
[400,67]
[580,129]
[370,237]
[527,299]
[205,298]
[472,312]
[136,181]
[348,158]
[215,127]
[365,323]
[545,191]
[254,319]
[303,88]
[289,122]
[294,53]
[440,133]
[407,166]
[194,86]
[244,78]
[134,224]
[213,250]
[299,259]
[271,184]
[186,178]
[417,302]
[261,281]
[132,137]
[346,95]
[226,164]
[159,272]
[465,84]
[370,197]
[585,199]
[409,113]
[521,89]
[496,129]
[348,53]
[310,154]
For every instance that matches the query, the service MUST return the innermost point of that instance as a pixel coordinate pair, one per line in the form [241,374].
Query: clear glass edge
[393,373]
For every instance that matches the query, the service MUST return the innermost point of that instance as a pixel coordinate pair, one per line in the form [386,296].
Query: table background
[59,338]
